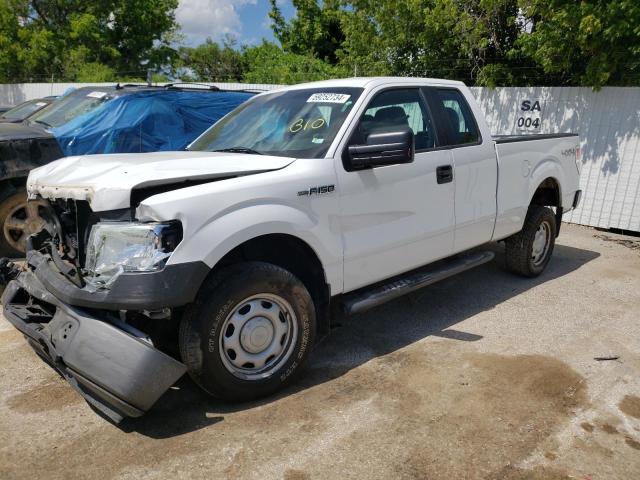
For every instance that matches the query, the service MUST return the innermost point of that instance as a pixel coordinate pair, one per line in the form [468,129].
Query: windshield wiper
[239,150]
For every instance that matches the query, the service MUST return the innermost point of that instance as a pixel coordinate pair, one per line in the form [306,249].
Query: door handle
[444,174]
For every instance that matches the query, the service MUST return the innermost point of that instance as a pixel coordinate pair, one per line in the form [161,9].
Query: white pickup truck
[229,259]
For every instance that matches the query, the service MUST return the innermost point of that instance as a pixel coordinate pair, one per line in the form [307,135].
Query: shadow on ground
[432,311]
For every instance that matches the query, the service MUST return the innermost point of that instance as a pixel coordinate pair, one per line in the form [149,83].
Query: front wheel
[249,333]
[528,252]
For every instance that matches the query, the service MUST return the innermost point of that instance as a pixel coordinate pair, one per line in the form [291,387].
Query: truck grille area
[74,219]
[64,236]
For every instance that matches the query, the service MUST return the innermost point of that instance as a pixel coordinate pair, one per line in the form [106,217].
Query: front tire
[528,252]
[249,332]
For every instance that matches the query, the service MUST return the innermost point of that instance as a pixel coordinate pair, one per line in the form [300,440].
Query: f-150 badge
[320,190]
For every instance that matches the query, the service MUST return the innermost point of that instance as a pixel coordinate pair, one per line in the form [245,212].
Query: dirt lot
[485,375]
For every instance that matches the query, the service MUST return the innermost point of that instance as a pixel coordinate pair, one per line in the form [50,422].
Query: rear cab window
[454,117]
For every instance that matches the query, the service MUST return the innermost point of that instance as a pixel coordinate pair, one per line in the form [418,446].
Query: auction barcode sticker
[328,98]
[96,94]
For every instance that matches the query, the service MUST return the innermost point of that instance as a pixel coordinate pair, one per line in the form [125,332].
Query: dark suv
[90,120]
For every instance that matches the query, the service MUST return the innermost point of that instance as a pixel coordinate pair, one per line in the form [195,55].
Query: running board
[412,281]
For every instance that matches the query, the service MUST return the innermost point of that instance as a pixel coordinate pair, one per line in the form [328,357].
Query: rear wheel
[18,220]
[249,333]
[528,252]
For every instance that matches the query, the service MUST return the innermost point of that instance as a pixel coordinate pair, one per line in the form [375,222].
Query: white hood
[106,181]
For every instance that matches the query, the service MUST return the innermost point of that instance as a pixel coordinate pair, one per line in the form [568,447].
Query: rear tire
[528,252]
[249,332]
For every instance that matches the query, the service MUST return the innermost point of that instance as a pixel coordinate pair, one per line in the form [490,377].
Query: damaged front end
[90,310]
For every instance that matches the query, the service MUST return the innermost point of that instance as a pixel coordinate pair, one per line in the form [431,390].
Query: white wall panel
[608,122]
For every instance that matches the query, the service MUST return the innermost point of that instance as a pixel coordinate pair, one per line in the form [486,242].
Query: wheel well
[547,194]
[10,185]
[294,255]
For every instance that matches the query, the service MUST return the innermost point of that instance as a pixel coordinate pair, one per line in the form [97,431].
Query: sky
[247,20]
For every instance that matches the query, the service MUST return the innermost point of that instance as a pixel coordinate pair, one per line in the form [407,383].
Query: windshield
[293,123]
[69,107]
[25,109]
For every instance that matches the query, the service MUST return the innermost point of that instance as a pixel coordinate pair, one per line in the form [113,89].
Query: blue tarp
[147,121]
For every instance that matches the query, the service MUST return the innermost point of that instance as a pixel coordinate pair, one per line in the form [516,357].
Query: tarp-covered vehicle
[90,120]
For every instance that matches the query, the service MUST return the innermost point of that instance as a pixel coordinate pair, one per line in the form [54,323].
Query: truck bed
[523,165]
[528,137]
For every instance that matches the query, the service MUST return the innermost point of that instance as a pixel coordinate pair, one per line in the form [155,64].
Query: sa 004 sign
[529,115]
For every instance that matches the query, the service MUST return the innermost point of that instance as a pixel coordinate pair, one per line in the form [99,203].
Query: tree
[591,42]
[41,39]
[316,29]
[465,40]
[268,63]
[482,42]
[210,62]
[10,13]
[95,72]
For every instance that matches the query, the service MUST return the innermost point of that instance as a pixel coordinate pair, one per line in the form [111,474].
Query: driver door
[396,218]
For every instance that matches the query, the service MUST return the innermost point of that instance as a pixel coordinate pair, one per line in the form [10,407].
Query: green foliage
[315,30]
[211,62]
[433,38]
[72,39]
[590,42]
[94,72]
[160,78]
[268,63]
[482,42]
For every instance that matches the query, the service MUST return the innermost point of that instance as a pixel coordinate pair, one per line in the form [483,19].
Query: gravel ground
[485,375]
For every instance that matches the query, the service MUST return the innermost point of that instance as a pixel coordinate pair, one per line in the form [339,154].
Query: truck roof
[117,90]
[372,82]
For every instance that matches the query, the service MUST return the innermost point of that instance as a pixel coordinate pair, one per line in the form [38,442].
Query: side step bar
[358,302]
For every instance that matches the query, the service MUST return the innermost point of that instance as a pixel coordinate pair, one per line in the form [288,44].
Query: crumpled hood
[106,181]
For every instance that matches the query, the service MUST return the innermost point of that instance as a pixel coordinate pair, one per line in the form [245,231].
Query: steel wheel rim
[23,220]
[541,243]
[258,336]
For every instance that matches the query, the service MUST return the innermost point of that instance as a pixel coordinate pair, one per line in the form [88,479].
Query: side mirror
[384,148]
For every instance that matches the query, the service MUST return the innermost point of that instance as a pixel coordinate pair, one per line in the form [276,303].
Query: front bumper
[113,366]
[173,286]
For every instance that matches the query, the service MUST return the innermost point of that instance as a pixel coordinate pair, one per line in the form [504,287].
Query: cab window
[458,120]
[394,110]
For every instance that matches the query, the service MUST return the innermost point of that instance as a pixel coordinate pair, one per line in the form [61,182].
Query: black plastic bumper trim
[173,286]
[116,372]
